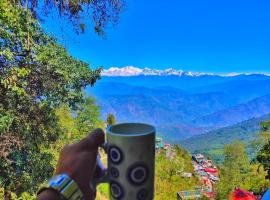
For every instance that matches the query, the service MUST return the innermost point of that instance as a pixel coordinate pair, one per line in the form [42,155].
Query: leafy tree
[235,171]
[256,182]
[111,119]
[265,126]
[2,193]
[78,12]
[88,116]
[262,138]
[34,83]
[67,123]
[75,126]
[263,156]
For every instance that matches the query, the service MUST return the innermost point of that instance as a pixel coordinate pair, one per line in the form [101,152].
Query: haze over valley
[182,104]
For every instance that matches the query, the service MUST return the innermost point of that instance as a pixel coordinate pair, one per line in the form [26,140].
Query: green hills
[212,143]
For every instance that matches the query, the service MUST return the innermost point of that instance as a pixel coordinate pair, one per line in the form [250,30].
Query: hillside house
[189,194]
[159,143]
[167,145]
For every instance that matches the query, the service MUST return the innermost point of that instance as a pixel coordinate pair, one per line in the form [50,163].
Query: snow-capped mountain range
[134,71]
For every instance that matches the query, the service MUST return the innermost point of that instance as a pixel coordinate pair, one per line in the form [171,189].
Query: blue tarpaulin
[266,195]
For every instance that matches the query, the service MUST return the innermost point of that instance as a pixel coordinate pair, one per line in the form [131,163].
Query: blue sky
[217,36]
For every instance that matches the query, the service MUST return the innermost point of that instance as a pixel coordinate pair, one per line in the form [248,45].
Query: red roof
[211,170]
[239,194]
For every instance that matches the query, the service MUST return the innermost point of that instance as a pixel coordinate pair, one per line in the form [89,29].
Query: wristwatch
[65,186]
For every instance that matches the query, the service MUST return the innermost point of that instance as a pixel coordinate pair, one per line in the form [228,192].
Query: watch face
[58,180]
[67,187]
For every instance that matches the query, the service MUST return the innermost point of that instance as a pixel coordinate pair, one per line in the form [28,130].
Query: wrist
[65,188]
[49,194]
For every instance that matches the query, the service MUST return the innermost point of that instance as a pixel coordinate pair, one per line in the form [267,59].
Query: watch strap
[66,186]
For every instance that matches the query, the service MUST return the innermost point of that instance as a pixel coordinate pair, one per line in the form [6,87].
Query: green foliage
[257,182]
[265,126]
[212,143]
[236,171]
[27,196]
[5,122]
[103,191]
[264,158]
[2,193]
[37,77]
[168,179]
[111,119]
[77,12]
[85,123]
[67,123]
[13,196]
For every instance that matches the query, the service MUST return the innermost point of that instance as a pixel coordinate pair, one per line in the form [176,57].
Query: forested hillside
[212,143]
[235,114]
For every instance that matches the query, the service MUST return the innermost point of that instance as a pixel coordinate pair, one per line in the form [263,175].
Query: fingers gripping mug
[131,161]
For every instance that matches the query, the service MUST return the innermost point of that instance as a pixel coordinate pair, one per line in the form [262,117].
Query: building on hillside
[240,194]
[213,178]
[167,145]
[207,173]
[161,146]
[159,143]
[186,175]
[189,194]
[199,158]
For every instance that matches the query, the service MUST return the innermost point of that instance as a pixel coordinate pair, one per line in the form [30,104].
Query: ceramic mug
[131,161]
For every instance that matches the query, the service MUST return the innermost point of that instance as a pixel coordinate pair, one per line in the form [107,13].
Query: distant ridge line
[135,71]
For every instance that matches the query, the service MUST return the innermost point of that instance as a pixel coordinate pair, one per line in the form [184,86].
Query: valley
[199,111]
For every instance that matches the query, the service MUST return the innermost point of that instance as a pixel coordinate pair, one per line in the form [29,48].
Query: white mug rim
[151,129]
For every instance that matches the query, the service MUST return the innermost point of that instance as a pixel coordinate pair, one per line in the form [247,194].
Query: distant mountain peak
[134,71]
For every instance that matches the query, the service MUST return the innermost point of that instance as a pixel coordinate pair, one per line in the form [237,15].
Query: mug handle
[104,178]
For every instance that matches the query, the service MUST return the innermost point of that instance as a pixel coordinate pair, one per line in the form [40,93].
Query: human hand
[79,161]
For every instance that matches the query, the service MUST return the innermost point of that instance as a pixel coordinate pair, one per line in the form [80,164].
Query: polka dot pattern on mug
[115,155]
[142,194]
[116,190]
[114,172]
[137,174]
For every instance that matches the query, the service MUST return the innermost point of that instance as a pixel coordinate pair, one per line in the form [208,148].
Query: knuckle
[65,148]
[98,130]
